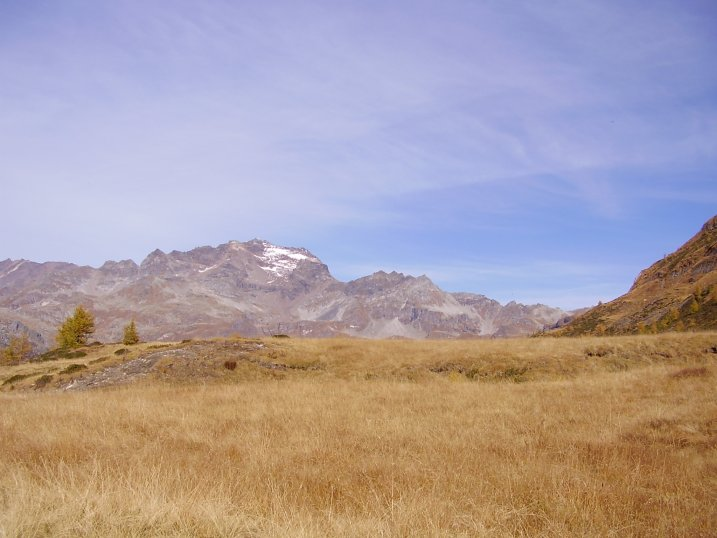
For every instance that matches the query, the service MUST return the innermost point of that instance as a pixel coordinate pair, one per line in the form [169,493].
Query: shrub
[61,354]
[230,365]
[43,381]
[516,375]
[121,351]
[72,368]
[16,377]
[599,351]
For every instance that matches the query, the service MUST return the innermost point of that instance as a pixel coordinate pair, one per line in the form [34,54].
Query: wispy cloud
[205,121]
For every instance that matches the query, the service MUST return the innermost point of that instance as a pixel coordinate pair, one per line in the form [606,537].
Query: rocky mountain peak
[377,282]
[156,263]
[250,288]
[121,268]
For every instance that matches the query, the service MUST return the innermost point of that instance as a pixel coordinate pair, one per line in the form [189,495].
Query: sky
[530,151]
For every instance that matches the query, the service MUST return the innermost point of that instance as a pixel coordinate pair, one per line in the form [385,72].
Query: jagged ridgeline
[676,293]
[253,288]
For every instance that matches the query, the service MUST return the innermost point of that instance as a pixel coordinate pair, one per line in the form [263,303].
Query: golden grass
[603,437]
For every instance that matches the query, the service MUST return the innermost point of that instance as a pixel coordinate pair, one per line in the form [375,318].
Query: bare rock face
[10,329]
[250,288]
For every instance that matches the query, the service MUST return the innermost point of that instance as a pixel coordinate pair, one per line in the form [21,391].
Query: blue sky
[535,151]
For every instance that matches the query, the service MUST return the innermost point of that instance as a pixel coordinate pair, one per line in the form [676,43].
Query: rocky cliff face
[250,288]
[10,329]
[678,292]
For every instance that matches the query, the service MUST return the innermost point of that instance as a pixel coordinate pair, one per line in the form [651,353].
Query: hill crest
[678,292]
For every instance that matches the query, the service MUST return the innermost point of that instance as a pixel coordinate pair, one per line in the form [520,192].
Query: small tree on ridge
[76,329]
[19,348]
[130,334]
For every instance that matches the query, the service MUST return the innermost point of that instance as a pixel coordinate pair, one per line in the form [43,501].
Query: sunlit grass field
[526,437]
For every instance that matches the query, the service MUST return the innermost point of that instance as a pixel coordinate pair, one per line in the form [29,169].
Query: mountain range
[248,288]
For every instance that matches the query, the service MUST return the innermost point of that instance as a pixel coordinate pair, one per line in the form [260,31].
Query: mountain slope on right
[676,293]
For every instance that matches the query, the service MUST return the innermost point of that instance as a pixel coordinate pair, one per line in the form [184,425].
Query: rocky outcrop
[9,329]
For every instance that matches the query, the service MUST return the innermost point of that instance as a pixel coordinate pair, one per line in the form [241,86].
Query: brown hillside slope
[678,293]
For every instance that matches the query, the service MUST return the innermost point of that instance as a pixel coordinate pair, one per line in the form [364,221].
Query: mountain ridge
[251,288]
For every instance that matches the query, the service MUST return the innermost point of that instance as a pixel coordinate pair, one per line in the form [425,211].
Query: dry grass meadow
[528,437]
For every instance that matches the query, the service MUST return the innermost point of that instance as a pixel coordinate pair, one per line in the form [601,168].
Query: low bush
[43,381]
[15,378]
[61,353]
[72,368]
[599,351]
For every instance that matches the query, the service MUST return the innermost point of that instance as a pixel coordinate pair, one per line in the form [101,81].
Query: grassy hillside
[559,437]
[210,361]
[677,293]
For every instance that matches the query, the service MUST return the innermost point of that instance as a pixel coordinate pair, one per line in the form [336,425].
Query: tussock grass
[525,359]
[579,448]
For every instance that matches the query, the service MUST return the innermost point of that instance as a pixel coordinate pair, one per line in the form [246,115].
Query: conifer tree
[130,334]
[19,348]
[76,329]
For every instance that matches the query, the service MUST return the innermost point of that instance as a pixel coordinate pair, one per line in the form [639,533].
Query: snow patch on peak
[281,261]
[208,268]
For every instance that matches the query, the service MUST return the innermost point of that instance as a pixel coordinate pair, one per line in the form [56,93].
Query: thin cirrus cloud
[427,124]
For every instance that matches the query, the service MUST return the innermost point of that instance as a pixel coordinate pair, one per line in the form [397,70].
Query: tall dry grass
[572,450]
